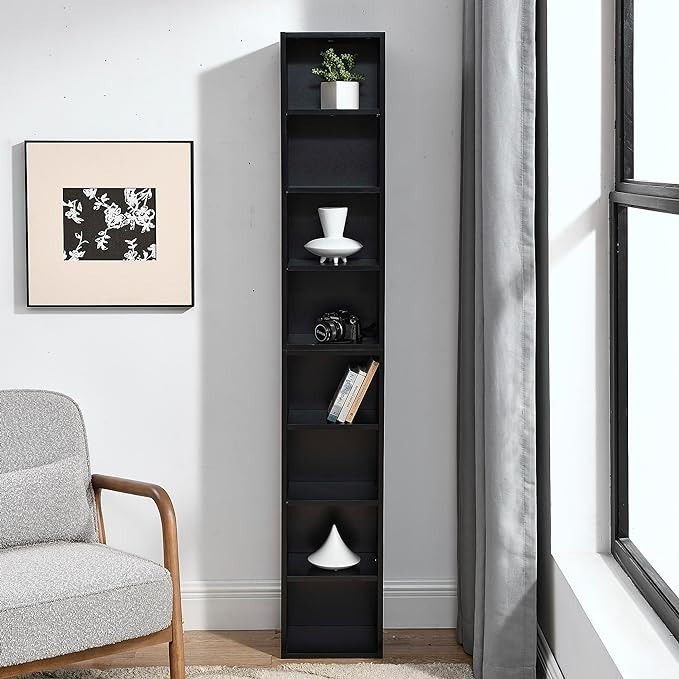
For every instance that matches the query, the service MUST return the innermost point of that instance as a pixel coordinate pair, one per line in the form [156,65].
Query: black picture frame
[190,144]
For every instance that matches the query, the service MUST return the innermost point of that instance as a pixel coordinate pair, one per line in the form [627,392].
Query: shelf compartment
[315,265]
[334,642]
[309,525]
[309,296]
[333,152]
[332,491]
[302,53]
[301,342]
[304,225]
[300,570]
[332,602]
[344,453]
[313,378]
[317,419]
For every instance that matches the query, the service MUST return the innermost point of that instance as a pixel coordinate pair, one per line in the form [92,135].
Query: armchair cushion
[45,504]
[66,597]
[42,440]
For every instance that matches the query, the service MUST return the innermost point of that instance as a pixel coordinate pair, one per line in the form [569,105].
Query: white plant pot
[339,95]
[333,220]
[334,555]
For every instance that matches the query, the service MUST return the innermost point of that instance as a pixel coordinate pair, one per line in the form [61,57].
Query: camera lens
[322,332]
[336,330]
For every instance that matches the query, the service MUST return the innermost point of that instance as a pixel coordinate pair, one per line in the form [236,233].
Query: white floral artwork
[109,224]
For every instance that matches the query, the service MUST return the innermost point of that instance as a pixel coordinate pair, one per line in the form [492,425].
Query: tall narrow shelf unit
[332,473]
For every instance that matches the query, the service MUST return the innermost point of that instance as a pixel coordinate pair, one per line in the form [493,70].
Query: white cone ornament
[334,555]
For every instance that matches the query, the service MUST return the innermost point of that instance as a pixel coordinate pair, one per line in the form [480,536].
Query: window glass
[653,388]
[656,94]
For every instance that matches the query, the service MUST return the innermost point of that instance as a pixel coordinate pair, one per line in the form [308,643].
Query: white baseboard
[420,603]
[255,604]
[548,668]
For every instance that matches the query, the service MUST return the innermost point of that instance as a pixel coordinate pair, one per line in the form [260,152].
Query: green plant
[336,67]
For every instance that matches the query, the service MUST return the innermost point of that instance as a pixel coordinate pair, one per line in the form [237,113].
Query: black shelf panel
[332,113]
[303,342]
[333,189]
[300,570]
[331,37]
[332,491]
[297,264]
[316,419]
[333,503]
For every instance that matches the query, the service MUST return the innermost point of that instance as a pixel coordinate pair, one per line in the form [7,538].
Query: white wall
[191,399]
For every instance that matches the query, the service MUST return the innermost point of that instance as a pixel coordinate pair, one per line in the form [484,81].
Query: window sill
[635,638]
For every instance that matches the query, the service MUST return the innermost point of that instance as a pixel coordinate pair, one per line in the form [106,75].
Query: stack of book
[350,393]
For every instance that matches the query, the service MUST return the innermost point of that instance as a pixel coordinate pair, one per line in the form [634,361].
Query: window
[644,214]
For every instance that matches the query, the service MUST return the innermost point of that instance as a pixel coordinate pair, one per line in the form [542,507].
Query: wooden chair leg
[176,650]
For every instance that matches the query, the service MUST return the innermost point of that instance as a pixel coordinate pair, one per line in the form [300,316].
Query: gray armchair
[64,595]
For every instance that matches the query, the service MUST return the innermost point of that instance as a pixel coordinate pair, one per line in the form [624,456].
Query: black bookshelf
[331,473]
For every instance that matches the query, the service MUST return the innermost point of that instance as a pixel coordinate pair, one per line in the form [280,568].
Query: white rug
[288,671]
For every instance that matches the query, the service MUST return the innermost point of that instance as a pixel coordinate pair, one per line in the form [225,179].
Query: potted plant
[339,89]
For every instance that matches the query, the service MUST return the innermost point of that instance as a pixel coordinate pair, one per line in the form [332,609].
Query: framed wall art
[109,223]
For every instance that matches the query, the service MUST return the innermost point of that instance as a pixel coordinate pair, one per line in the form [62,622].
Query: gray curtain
[497,559]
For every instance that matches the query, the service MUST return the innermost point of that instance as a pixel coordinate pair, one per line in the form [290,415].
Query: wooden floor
[262,648]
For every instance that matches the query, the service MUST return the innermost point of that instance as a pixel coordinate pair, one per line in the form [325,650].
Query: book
[370,373]
[352,395]
[343,391]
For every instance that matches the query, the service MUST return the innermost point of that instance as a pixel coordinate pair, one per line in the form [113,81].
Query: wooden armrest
[165,509]
[170,549]
[158,494]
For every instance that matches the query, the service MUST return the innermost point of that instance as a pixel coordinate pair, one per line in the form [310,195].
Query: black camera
[338,326]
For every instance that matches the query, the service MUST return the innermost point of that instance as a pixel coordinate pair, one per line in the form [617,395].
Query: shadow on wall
[238,216]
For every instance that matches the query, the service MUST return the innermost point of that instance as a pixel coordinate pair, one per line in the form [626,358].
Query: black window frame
[657,197]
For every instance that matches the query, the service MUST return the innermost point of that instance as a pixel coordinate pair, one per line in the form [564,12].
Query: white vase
[339,95]
[333,220]
[333,249]
[334,555]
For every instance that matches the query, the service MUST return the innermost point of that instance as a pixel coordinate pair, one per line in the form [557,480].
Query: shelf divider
[316,419]
[333,113]
[314,265]
[333,189]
